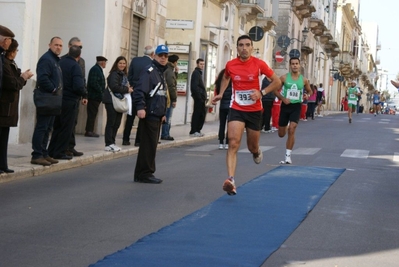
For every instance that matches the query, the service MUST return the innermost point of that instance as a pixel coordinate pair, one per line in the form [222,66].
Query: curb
[26,170]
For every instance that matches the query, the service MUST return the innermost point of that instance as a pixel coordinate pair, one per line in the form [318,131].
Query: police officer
[149,99]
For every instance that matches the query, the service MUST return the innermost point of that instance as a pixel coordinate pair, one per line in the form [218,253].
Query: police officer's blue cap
[161,49]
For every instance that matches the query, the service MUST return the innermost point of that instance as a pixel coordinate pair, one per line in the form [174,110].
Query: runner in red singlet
[246,107]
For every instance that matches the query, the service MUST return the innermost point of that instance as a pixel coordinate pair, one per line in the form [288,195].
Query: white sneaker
[226,146]
[274,129]
[112,148]
[115,147]
[287,160]
[197,134]
[221,146]
[259,158]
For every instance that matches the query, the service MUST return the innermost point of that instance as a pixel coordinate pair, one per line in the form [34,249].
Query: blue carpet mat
[241,230]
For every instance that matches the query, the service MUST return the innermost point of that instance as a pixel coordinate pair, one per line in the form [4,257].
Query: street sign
[279,57]
[294,53]
[256,33]
[283,41]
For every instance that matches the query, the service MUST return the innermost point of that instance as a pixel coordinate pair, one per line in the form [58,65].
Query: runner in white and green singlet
[353,92]
[291,96]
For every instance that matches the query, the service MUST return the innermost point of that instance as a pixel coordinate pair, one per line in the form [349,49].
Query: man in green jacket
[170,77]
[95,89]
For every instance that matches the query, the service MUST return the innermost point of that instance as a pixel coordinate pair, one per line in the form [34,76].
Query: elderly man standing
[149,99]
[49,80]
[95,90]
[136,66]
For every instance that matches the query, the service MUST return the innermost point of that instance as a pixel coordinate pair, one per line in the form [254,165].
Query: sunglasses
[162,55]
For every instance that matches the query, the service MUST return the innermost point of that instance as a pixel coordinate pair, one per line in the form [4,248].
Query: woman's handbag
[120,104]
[47,103]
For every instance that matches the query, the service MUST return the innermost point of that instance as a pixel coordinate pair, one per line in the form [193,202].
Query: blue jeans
[166,126]
[44,125]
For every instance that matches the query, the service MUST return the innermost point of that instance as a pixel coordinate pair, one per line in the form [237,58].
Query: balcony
[347,57]
[305,48]
[317,26]
[267,23]
[325,37]
[249,9]
[332,47]
[303,9]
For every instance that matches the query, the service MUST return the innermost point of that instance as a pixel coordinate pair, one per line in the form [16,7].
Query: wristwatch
[261,92]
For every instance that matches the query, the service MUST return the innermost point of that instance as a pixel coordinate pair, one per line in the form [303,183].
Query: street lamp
[323,58]
[305,32]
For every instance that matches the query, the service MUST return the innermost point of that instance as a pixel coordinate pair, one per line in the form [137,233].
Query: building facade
[326,33]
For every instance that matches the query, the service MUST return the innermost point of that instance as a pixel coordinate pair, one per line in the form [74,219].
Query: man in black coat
[198,93]
[136,66]
[149,99]
[73,91]
[71,151]
[49,80]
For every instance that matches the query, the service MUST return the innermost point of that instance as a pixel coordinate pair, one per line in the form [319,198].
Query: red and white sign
[279,57]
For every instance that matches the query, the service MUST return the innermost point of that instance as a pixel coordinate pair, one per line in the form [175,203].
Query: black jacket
[269,96]
[49,74]
[115,83]
[136,66]
[1,67]
[73,80]
[150,78]
[197,87]
[9,99]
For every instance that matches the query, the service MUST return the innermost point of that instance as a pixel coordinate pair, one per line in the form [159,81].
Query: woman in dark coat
[223,110]
[119,85]
[13,81]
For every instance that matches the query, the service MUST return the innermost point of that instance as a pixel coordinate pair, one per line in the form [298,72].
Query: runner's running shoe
[230,187]
[287,160]
[259,157]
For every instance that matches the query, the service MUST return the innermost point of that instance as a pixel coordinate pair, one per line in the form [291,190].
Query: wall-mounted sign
[184,49]
[182,77]
[179,24]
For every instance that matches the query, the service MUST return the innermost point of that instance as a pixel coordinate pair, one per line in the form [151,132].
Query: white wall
[23,18]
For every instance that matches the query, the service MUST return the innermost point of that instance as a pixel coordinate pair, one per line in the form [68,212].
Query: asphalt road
[78,216]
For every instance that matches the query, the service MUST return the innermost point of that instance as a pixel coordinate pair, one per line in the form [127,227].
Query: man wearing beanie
[6,36]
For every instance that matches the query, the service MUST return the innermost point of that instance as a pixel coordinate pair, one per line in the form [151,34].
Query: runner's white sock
[288,152]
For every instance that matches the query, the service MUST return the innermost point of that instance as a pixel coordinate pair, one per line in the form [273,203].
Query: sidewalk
[19,156]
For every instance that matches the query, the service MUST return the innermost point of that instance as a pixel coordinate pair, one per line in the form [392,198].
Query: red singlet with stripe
[245,80]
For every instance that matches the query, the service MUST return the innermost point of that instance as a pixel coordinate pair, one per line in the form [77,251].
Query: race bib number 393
[243,98]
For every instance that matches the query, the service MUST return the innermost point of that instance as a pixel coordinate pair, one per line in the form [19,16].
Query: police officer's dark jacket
[150,91]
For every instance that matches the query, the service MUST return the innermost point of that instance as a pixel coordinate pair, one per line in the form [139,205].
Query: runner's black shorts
[290,112]
[252,120]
